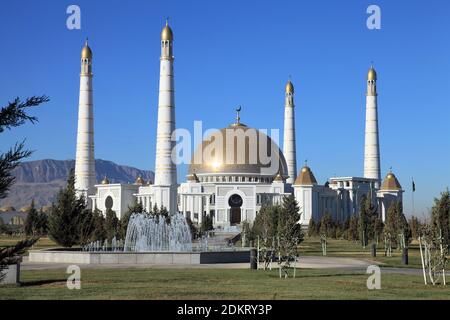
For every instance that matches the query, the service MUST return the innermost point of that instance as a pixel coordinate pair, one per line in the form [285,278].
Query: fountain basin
[139,258]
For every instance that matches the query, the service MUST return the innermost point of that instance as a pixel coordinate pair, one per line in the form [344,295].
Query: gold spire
[140,181]
[166,33]
[289,86]
[105,180]
[372,74]
[306,177]
[391,183]
[86,52]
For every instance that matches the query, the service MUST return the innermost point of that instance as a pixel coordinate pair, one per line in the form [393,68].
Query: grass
[220,284]
[43,243]
[310,247]
[351,249]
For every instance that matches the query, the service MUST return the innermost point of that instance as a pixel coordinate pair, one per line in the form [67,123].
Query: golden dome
[166,33]
[139,181]
[278,178]
[305,178]
[372,74]
[391,183]
[26,208]
[46,209]
[289,87]
[192,177]
[7,209]
[105,180]
[228,159]
[86,52]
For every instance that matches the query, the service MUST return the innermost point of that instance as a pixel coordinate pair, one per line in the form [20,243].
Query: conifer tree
[440,215]
[111,224]
[31,226]
[64,220]
[98,222]
[289,233]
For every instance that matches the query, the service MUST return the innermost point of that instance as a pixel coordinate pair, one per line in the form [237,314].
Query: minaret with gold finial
[372,146]
[289,149]
[85,161]
[165,187]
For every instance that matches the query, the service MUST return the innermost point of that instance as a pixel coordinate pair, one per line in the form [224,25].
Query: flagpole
[412,195]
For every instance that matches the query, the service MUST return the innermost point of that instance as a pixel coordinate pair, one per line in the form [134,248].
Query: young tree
[43,222]
[312,228]
[414,225]
[64,220]
[326,226]
[367,215]
[192,228]
[14,115]
[265,228]
[111,224]
[440,215]
[86,227]
[98,222]
[290,234]
[352,233]
[378,228]
[31,226]
[207,224]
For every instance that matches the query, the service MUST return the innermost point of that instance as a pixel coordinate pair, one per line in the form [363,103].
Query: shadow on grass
[320,275]
[41,282]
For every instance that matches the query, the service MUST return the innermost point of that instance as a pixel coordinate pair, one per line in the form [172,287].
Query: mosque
[235,180]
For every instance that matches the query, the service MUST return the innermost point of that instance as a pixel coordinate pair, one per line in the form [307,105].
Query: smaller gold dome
[166,33]
[278,178]
[289,87]
[86,52]
[7,209]
[26,209]
[391,183]
[306,177]
[46,209]
[140,181]
[192,177]
[372,74]
[105,180]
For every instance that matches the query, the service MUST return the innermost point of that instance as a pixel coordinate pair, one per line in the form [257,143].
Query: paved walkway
[307,262]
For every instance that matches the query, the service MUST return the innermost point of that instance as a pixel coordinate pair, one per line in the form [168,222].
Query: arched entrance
[235,203]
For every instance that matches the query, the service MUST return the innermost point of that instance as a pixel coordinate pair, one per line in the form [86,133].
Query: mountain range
[42,179]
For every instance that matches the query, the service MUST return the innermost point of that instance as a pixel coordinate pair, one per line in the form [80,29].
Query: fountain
[150,240]
[146,233]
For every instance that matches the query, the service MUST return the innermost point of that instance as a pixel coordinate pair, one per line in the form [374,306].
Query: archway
[235,203]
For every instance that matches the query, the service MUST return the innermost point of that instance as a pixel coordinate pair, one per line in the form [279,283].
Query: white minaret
[85,161]
[165,187]
[372,146]
[289,150]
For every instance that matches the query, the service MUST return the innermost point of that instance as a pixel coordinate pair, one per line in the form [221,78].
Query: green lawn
[311,246]
[43,242]
[351,249]
[218,284]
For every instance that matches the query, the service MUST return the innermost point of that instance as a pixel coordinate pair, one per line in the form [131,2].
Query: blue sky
[241,52]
